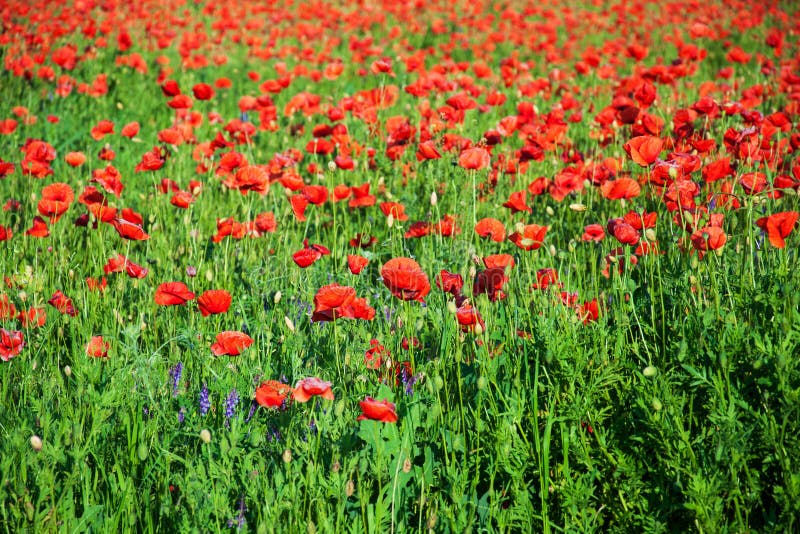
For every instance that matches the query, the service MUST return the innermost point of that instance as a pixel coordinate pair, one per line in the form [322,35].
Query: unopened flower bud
[36,443]
[205,436]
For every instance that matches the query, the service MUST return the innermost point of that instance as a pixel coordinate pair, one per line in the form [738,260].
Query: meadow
[485,266]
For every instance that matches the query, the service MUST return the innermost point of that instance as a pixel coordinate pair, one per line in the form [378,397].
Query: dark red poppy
[405,279]
[231,343]
[375,410]
[623,232]
[173,294]
[214,301]
[449,282]
[469,319]
[490,282]
[62,303]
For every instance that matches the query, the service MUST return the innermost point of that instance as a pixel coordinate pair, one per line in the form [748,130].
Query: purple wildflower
[205,403]
[176,373]
[230,405]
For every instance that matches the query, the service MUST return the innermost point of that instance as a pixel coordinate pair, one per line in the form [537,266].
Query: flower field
[399,266]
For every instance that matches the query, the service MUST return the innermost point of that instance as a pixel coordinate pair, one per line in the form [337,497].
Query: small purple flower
[176,373]
[273,434]
[239,521]
[408,380]
[181,414]
[191,271]
[230,405]
[205,403]
[253,406]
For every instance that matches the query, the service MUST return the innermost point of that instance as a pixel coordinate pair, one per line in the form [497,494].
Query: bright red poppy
[644,149]
[272,394]
[375,410]
[214,301]
[405,279]
[56,199]
[231,343]
[475,158]
[309,254]
[173,294]
[310,387]
[356,263]
[38,229]
[32,317]
[469,319]
[621,188]
[491,228]
[529,236]
[129,230]
[778,226]
[334,301]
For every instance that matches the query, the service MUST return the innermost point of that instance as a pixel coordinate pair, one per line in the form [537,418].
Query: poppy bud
[36,443]
[434,198]
[553,250]
[549,211]
[349,488]
[67,371]
[287,456]
[289,323]
[205,436]
[650,371]
[277,298]
[577,206]
[657,405]
[390,220]
[650,234]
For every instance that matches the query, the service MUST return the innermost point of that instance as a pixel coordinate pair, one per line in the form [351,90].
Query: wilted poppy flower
[11,343]
[311,386]
[450,282]
[97,348]
[214,301]
[173,294]
[272,394]
[529,236]
[62,303]
[778,226]
[375,410]
[405,279]
[231,343]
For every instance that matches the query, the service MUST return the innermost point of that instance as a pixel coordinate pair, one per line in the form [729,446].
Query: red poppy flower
[214,301]
[334,301]
[449,282]
[38,229]
[644,149]
[621,188]
[62,303]
[491,228]
[545,278]
[529,237]
[375,410]
[490,282]
[97,348]
[517,201]
[32,317]
[311,386]
[75,159]
[778,226]
[231,343]
[173,294]
[376,355]
[5,233]
[272,394]
[120,264]
[11,343]
[151,161]
[475,158]
[593,232]
[203,91]
[309,254]
[129,230]
[623,232]
[405,279]
[356,263]
[7,308]
[130,129]
[56,199]
[469,319]
[395,209]
[498,260]
[709,238]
